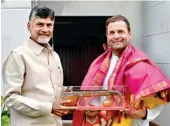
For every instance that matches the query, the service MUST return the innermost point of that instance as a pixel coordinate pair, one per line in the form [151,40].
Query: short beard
[43,40]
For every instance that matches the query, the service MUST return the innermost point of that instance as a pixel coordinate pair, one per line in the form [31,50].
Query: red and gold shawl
[143,79]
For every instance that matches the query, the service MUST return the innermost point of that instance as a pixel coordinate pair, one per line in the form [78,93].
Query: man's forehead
[117,25]
[43,20]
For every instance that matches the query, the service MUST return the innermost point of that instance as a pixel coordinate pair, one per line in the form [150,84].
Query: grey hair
[41,12]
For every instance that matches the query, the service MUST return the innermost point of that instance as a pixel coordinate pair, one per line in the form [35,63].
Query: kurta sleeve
[151,115]
[13,73]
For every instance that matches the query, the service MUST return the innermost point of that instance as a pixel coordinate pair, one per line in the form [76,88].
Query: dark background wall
[78,41]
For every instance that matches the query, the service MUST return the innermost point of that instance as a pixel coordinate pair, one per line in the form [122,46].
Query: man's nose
[45,28]
[116,36]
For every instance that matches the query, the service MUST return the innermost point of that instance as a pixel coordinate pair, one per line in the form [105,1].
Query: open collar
[38,48]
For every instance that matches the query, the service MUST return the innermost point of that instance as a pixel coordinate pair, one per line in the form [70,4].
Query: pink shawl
[133,69]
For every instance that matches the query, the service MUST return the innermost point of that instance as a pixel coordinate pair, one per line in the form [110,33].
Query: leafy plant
[5,114]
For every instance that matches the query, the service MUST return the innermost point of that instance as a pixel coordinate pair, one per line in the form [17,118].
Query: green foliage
[5,115]
[5,121]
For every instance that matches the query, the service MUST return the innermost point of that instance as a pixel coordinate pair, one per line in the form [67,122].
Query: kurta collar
[37,48]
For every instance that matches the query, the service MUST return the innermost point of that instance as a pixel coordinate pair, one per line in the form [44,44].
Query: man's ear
[130,34]
[104,47]
[28,26]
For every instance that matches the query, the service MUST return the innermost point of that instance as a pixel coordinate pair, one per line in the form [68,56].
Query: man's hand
[60,112]
[139,112]
[59,109]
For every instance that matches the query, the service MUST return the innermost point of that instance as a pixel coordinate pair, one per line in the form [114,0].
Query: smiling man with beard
[33,75]
[122,64]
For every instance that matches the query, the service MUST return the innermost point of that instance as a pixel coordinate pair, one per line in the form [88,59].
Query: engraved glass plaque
[95,98]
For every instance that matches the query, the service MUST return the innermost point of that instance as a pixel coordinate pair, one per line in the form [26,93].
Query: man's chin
[43,41]
[117,47]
